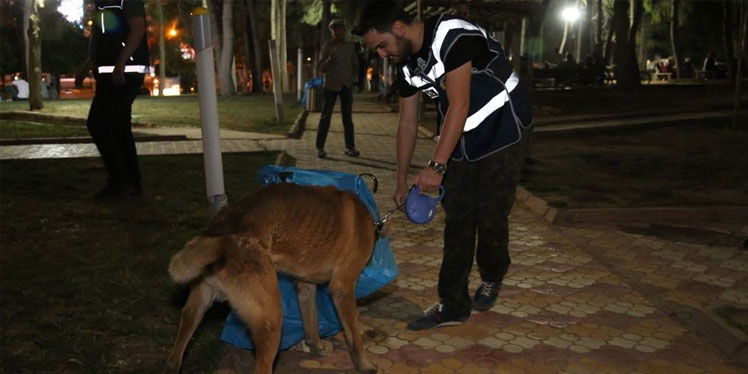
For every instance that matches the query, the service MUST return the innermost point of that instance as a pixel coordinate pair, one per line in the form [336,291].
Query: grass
[24,130]
[84,285]
[696,164]
[244,113]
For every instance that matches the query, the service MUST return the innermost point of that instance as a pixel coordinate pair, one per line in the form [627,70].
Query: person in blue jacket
[484,133]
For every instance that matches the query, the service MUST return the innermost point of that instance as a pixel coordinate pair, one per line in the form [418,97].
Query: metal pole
[206,82]
[299,63]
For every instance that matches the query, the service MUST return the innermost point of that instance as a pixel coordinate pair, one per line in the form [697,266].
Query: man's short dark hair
[380,16]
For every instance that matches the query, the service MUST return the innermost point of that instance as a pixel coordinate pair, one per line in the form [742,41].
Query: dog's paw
[323,349]
[368,370]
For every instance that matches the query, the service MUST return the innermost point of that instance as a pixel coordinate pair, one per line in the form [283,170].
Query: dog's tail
[189,263]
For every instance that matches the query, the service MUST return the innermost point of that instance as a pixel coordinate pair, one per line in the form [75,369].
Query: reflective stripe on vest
[492,105]
[142,69]
[103,27]
[430,77]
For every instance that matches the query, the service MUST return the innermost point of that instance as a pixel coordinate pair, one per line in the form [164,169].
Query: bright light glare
[570,14]
[72,10]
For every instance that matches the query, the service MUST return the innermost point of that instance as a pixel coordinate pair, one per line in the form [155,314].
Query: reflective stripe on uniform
[142,69]
[492,105]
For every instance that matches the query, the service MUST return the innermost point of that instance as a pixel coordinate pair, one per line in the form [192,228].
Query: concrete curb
[44,117]
[284,159]
[629,215]
[88,139]
[297,129]
[673,214]
[64,120]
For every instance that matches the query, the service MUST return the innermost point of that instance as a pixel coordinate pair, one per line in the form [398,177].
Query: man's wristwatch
[438,167]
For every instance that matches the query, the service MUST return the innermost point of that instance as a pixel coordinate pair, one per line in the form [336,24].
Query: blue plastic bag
[380,270]
[312,83]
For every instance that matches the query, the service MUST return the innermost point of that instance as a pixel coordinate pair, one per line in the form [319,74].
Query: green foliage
[312,12]
[64,47]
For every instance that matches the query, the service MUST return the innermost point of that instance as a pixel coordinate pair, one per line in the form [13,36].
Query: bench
[663,76]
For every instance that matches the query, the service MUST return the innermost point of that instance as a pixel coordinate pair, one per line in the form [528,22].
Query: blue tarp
[380,271]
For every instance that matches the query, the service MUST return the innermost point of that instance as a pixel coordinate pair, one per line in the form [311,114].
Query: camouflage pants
[479,196]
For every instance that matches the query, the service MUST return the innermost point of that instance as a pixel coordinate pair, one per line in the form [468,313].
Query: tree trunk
[562,46]
[674,37]
[627,71]
[324,31]
[215,31]
[535,38]
[26,10]
[227,50]
[600,15]
[644,36]
[274,31]
[247,41]
[161,49]
[256,48]
[727,36]
[35,57]
[585,33]
[21,18]
[283,46]
[609,42]
[741,55]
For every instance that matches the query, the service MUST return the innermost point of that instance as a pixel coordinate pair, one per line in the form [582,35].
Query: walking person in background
[479,155]
[339,64]
[119,60]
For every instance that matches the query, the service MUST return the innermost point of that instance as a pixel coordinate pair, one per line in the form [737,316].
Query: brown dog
[313,234]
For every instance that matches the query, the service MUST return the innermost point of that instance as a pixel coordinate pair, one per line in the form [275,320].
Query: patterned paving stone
[577,299]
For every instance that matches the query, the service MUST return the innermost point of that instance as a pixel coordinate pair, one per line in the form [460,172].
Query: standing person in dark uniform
[339,63]
[485,131]
[119,60]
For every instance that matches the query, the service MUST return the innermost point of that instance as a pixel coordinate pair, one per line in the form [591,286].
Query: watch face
[437,166]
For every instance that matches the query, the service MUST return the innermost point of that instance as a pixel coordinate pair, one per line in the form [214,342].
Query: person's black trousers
[110,125]
[328,104]
[478,199]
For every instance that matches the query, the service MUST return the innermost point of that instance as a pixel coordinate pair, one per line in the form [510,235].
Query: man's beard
[404,50]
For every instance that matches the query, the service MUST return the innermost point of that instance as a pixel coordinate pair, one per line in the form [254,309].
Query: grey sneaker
[485,296]
[436,316]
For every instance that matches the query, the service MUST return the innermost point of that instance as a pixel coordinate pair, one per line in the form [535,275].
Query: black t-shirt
[467,48]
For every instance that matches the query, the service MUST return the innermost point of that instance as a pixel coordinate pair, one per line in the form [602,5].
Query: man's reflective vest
[110,33]
[499,107]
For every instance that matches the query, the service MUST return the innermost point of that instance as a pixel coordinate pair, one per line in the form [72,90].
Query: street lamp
[570,14]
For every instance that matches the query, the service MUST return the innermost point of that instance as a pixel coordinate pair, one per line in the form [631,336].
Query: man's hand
[401,192]
[118,74]
[428,180]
